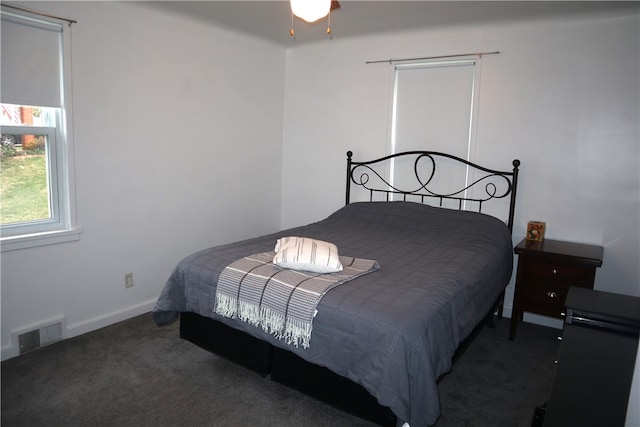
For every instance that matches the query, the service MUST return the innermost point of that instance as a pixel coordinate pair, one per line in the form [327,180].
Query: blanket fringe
[226,305]
[249,313]
[297,333]
[292,331]
[272,321]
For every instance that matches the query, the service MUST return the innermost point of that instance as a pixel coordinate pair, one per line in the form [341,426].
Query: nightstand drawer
[549,269]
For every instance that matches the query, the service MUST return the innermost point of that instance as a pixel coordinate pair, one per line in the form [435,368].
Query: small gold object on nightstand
[535,230]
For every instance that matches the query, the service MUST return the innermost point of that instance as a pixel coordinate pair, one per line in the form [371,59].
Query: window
[434,109]
[36,173]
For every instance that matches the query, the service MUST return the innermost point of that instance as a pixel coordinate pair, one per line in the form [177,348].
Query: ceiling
[272,19]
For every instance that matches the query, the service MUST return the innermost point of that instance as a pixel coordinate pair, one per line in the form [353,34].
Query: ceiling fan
[312,11]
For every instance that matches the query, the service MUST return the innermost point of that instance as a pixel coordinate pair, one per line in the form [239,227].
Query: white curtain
[433,111]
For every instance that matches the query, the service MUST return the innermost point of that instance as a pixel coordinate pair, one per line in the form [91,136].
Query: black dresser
[596,360]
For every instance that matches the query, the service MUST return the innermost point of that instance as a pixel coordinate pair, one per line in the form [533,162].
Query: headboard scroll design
[489,184]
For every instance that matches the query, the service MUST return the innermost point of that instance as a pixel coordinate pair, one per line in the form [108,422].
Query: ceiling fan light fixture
[310,10]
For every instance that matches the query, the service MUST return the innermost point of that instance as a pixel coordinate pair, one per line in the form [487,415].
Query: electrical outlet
[128,280]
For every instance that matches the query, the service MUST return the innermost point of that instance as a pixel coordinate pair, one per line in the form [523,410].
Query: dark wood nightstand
[546,270]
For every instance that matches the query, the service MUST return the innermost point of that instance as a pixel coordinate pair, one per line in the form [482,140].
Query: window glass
[433,110]
[25,165]
[36,171]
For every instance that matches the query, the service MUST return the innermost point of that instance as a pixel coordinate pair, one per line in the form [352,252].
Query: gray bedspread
[394,331]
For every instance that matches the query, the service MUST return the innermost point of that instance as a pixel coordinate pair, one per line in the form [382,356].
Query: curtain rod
[37,12]
[433,57]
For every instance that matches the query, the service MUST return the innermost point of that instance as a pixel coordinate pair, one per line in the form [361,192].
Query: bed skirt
[284,367]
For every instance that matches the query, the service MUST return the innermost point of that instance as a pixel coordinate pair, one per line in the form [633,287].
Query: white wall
[178,133]
[562,96]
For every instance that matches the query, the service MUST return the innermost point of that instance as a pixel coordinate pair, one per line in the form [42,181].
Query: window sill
[14,243]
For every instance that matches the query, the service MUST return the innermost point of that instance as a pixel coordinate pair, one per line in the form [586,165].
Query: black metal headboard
[488,184]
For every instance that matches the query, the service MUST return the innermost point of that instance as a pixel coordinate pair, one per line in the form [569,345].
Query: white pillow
[303,253]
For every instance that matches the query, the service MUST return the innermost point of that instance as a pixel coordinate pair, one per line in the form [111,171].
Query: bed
[380,342]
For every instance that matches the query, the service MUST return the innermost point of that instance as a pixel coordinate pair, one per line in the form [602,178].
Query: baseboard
[75,329]
[506,312]
[89,325]
[536,319]
[543,320]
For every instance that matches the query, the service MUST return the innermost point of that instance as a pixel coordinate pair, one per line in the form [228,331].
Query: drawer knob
[555,271]
[551,294]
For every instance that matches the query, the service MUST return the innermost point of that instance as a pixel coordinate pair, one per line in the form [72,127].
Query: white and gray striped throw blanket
[281,301]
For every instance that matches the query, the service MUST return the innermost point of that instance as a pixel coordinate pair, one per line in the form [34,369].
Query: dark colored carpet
[135,374]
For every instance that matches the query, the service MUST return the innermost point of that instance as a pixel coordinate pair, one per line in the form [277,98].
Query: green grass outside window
[24,194]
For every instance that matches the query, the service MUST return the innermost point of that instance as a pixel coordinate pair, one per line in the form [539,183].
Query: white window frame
[472,61]
[62,227]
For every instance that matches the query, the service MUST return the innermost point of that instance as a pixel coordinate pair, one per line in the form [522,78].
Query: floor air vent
[29,341]
[39,337]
